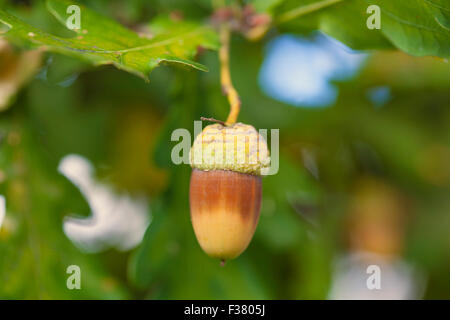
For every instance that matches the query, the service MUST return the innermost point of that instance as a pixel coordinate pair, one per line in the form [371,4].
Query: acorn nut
[226,188]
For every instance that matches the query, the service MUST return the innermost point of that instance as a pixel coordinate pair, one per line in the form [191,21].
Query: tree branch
[225,76]
[302,10]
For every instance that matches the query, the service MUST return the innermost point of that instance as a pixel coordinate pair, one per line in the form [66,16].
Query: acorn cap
[238,148]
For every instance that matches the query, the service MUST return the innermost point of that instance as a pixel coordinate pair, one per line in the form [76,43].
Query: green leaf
[417,27]
[344,20]
[340,23]
[103,41]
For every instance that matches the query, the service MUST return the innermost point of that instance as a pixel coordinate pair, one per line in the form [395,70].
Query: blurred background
[86,177]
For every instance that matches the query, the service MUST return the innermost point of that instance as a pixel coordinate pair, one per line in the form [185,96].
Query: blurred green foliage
[123,125]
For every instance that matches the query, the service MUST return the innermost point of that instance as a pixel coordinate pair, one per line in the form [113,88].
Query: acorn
[226,188]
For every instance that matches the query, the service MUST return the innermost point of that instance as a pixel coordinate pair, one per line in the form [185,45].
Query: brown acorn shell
[225,208]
